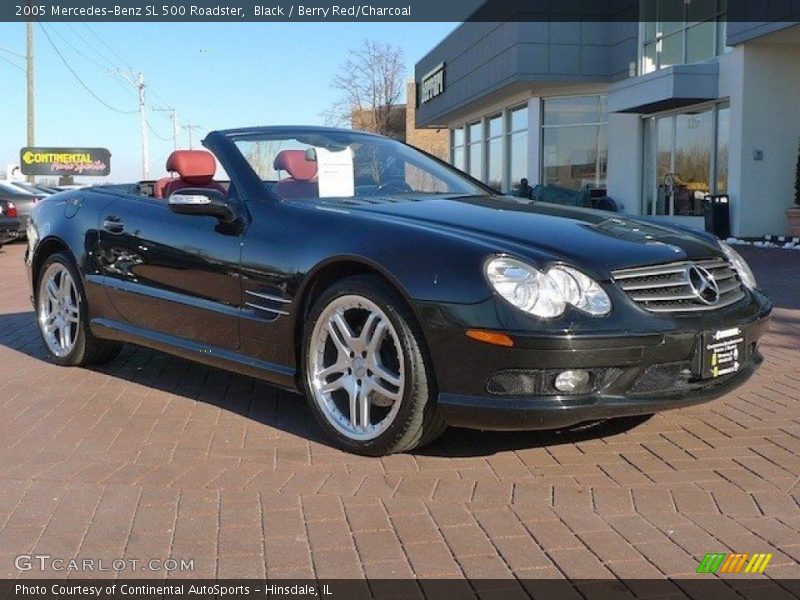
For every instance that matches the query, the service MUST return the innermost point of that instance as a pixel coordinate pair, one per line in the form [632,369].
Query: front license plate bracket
[722,352]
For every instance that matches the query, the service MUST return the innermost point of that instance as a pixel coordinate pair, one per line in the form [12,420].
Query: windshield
[334,164]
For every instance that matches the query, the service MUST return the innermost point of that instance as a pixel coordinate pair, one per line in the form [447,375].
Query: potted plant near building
[793,212]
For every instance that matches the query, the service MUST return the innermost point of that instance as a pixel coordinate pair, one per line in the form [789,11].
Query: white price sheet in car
[335,173]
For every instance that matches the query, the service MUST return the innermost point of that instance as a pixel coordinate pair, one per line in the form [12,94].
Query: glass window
[519,119]
[676,32]
[650,58]
[701,42]
[458,158]
[457,145]
[670,50]
[665,129]
[518,158]
[517,147]
[458,136]
[690,160]
[476,150]
[475,132]
[573,111]
[575,157]
[723,142]
[495,126]
[694,136]
[494,153]
[574,148]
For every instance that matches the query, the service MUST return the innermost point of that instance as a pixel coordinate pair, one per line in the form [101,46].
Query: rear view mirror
[201,201]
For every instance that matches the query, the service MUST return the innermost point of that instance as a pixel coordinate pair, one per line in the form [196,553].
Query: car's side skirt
[279,375]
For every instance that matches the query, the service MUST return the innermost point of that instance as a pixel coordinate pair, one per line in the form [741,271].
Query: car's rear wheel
[62,314]
[366,375]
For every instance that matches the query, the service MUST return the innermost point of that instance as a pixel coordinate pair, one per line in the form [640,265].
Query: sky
[217,75]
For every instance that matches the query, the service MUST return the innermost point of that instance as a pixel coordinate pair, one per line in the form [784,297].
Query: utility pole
[143,125]
[31,95]
[175,128]
[140,85]
[190,128]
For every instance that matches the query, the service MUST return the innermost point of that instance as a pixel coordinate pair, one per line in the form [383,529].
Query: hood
[586,238]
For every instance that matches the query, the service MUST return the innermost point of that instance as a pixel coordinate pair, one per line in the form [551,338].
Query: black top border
[479,11]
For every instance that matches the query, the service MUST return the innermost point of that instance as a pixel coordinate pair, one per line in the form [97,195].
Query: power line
[102,41]
[13,64]
[68,43]
[155,133]
[126,63]
[91,46]
[12,52]
[78,79]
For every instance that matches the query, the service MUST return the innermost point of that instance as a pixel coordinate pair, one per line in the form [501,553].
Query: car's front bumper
[633,373]
[516,413]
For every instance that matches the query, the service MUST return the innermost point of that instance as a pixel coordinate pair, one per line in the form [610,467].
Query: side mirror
[201,201]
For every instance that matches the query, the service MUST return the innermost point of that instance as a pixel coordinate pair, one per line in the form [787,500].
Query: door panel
[175,274]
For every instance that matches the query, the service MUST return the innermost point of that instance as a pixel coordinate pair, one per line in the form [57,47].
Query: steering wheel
[394,185]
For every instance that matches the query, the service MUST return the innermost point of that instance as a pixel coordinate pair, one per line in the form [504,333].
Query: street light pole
[31,105]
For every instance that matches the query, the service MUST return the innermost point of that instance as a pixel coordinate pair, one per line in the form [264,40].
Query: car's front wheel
[62,314]
[366,375]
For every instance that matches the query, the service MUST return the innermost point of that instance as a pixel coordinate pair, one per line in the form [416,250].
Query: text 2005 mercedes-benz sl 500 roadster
[395,292]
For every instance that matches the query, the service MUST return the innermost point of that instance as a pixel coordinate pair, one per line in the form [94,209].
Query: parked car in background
[398,294]
[47,189]
[36,190]
[9,223]
[23,200]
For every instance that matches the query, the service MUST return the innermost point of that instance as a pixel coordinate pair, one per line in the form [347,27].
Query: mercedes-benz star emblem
[703,285]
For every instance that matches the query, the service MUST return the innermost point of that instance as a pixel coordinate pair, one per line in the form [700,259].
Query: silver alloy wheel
[59,312]
[356,369]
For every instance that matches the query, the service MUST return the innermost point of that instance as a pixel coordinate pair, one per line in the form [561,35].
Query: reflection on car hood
[602,240]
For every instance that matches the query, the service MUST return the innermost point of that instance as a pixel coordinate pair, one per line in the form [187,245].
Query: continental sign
[65,161]
[721,562]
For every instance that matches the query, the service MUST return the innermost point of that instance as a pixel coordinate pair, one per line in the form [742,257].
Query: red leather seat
[301,171]
[159,185]
[195,169]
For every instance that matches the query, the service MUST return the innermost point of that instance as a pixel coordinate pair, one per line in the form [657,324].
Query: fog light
[572,381]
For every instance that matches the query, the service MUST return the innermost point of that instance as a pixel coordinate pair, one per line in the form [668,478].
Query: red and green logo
[721,562]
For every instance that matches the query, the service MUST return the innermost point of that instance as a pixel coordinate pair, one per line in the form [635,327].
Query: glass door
[685,158]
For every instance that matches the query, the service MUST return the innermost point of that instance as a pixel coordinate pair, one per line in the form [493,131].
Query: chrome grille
[667,288]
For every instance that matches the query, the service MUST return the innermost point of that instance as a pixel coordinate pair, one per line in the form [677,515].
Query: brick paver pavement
[153,456]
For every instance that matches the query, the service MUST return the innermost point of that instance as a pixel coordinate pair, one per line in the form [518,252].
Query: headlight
[740,266]
[580,291]
[546,294]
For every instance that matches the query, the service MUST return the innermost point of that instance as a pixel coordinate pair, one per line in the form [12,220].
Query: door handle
[113,224]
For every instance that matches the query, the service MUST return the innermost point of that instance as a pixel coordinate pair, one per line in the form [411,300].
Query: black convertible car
[398,294]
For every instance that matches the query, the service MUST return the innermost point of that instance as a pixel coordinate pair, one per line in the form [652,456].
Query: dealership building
[656,114]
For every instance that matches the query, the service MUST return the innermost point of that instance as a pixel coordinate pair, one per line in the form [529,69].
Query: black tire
[88,349]
[417,422]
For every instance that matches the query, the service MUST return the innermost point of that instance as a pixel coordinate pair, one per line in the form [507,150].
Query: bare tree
[371,83]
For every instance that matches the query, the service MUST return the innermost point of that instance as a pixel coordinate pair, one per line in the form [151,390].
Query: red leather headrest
[196,167]
[294,162]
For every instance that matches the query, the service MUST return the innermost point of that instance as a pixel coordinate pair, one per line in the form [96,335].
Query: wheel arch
[325,275]
[45,249]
